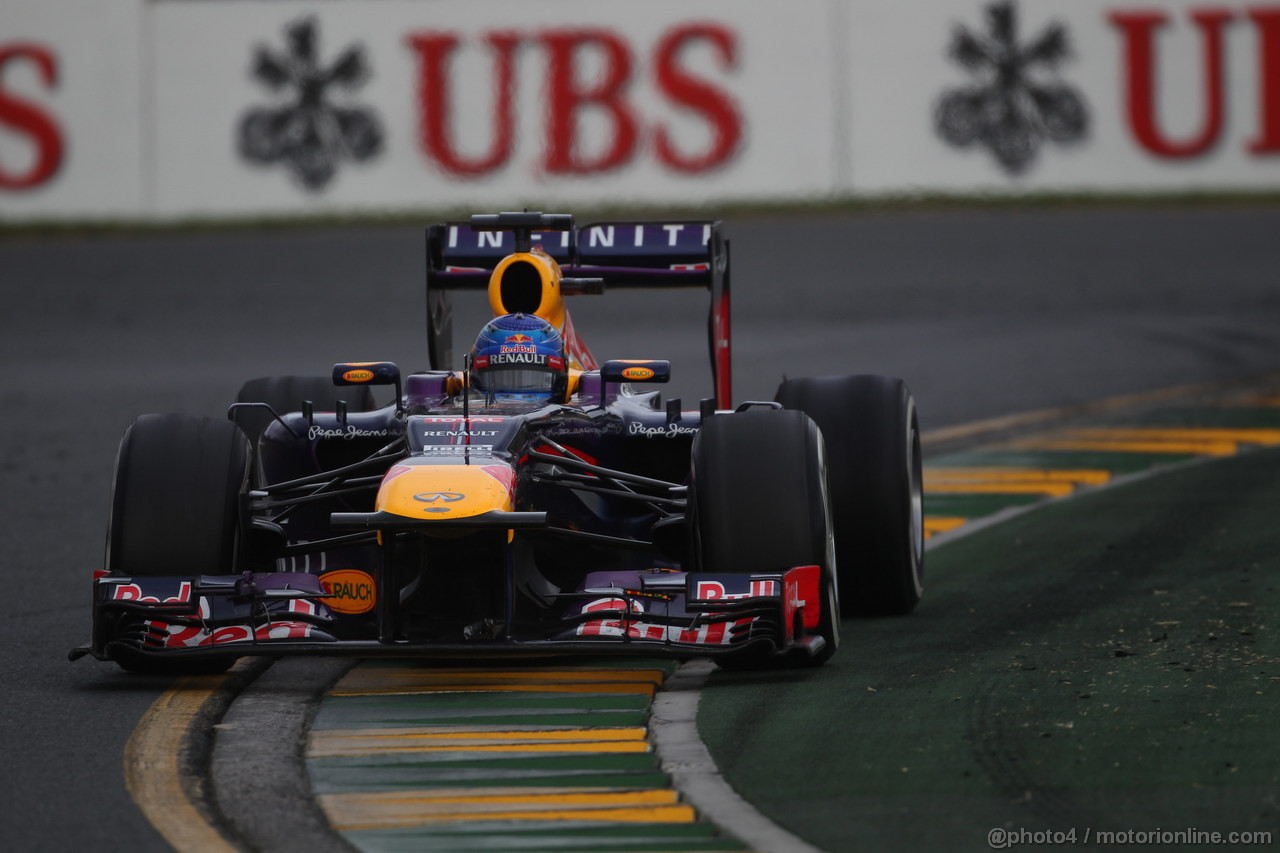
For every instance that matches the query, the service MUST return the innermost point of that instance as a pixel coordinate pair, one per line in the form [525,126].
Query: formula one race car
[532,502]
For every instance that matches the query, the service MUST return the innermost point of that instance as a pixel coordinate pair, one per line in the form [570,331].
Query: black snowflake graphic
[1014,105]
[309,133]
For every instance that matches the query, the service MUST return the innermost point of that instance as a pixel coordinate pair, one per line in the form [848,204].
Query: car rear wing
[631,254]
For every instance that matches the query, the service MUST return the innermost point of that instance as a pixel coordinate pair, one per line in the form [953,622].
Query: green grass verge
[1106,663]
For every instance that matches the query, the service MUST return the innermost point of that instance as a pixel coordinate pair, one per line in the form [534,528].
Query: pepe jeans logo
[668,431]
[308,132]
[349,432]
[1014,104]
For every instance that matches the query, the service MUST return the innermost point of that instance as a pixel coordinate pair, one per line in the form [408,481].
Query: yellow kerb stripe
[1268,437]
[377,679]
[934,525]
[455,733]
[1269,401]
[507,687]
[427,801]
[348,741]
[1206,441]
[1086,476]
[520,791]
[332,747]
[1193,448]
[531,673]
[1044,487]
[152,771]
[642,814]
[1009,481]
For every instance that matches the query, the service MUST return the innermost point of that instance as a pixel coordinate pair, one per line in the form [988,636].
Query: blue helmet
[520,358]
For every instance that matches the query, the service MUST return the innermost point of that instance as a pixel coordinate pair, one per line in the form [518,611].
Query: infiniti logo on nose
[432,497]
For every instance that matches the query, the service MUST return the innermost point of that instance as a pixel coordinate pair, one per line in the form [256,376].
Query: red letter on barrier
[27,119]
[565,99]
[1268,24]
[434,51]
[1139,33]
[698,95]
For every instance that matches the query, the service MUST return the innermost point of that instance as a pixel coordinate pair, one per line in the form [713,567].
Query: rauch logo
[350,591]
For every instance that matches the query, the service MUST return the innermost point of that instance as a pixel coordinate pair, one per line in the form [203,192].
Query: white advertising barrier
[292,107]
[1076,95]
[70,124]
[166,109]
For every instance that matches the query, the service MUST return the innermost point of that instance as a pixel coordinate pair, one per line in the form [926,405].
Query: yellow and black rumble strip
[529,757]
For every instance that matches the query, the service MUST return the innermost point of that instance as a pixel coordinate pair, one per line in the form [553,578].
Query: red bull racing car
[525,500]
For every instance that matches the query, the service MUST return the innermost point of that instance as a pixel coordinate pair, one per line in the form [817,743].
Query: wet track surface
[984,313]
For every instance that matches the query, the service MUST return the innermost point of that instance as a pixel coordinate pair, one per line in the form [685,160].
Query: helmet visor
[516,380]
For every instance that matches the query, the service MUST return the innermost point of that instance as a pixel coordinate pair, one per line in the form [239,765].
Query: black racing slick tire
[760,504]
[286,394]
[872,436]
[175,509]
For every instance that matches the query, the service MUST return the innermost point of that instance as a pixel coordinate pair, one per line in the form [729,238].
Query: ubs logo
[1014,101]
[312,125]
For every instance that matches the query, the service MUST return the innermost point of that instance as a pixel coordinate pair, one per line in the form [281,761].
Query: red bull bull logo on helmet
[518,343]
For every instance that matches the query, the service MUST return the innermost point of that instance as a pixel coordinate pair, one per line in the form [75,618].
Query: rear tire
[287,393]
[759,502]
[873,454]
[175,509]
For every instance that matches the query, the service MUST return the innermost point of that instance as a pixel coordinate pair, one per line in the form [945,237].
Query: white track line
[674,723]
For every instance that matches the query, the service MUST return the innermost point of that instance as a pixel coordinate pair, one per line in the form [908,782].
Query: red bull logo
[518,342]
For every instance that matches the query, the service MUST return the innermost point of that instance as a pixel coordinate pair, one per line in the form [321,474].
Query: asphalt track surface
[985,313]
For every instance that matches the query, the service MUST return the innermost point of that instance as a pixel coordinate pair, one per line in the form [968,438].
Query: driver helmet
[519,358]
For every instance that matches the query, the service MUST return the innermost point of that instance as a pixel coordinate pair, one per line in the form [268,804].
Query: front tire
[760,504]
[175,510]
[175,507]
[872,432]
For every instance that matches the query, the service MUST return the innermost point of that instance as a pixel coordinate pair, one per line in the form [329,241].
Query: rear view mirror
[368,373]
[636,370]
